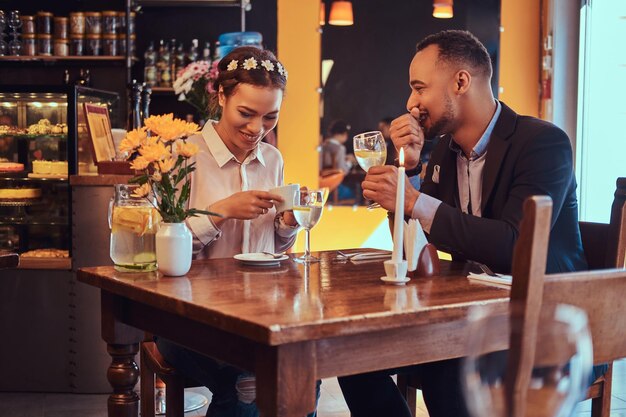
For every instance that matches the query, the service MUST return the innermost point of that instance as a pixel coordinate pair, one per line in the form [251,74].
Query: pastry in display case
[43,140]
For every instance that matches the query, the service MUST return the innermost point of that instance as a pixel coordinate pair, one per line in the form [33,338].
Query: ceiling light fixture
[442,9]
[322,13]
[341,13]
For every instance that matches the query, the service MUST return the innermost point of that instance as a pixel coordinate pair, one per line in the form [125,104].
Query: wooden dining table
[291,324]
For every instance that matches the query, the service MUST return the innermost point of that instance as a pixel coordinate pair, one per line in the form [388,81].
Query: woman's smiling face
[248,114]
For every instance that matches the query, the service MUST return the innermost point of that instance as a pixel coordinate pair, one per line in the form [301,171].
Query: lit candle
[398,218]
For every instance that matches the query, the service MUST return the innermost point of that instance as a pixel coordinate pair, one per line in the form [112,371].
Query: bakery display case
[44,140]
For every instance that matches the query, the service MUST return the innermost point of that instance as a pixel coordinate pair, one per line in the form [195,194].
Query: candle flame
[401,157]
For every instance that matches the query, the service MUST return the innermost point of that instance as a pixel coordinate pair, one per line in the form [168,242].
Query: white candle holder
[396,272]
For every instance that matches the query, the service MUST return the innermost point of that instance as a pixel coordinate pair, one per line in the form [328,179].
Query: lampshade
[442,9]
[341,13]
[322,13]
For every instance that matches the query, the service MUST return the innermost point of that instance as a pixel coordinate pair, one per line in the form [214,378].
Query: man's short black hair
[460,47]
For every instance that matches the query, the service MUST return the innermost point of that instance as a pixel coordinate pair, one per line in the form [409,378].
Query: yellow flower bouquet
[161,152]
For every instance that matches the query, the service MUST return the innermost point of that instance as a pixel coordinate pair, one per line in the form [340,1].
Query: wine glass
[4,47]
[14,22]
[307,209]
[370,149]
[560,368]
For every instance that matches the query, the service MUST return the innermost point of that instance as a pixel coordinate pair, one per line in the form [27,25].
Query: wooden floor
[331,402]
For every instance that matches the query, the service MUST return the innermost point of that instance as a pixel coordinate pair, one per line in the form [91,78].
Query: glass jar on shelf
[61,47]
[77,44]
[93,45]
[93,23]
[29,46]
[77,23]
[109,22]
[61,27]
[44,23]
[28,24]
[109,45]
[44,44]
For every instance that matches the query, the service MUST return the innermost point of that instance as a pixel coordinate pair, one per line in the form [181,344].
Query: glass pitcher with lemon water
[133,222]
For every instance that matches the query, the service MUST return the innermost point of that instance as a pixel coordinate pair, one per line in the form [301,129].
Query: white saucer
[396,281]
[259,259]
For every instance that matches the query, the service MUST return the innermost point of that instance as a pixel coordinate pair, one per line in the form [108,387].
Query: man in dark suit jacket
[487,162]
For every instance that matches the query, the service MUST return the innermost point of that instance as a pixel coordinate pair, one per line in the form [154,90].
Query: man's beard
[443,125]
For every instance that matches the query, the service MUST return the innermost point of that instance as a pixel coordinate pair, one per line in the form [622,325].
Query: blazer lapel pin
[435,177]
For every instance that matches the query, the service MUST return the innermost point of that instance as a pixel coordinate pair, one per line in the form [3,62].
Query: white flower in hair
[268,65]
[286,74]
[232,65]
[281,70]
[249,64]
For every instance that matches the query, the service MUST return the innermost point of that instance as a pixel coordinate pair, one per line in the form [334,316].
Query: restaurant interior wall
[369,78]
[519,55]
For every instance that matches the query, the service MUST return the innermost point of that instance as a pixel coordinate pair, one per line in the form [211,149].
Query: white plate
[259,259]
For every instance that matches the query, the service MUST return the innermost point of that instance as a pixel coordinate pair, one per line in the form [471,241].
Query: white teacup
[287,192]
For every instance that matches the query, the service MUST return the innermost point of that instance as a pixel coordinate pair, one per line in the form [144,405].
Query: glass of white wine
[307,209]
[370,149]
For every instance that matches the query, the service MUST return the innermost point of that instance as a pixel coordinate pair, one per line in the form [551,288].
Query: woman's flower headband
[252,63]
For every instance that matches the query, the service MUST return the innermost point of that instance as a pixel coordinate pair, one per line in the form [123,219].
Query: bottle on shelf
[134,117]
[216,51]
[206,51]
[150,69]
[172,46]
[180,58]
[164,74]
[193,51]
[145,101]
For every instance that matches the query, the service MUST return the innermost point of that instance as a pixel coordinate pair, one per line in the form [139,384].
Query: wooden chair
[154,365]
[605,247]
[600,293]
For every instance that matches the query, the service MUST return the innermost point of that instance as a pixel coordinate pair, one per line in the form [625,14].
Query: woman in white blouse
[234,170]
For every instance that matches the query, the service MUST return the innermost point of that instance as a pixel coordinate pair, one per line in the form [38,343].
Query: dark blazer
[526,156]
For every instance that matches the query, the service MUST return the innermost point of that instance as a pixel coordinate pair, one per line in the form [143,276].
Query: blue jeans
[220,378]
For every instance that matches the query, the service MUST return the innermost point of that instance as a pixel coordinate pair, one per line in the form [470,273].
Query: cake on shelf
[11,130]
[49,168]
[46,253]
[44,127]
[11,167]
[19,193]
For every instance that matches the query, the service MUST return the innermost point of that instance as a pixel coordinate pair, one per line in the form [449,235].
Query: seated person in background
[333,149]
[487,162]
[392,155]
[233,171]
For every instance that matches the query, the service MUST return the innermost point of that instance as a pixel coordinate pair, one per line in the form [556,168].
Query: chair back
[605,244]
[600,293]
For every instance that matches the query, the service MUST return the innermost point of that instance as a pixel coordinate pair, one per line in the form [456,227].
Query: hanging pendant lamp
[341,13]
[442,9]
[322,13]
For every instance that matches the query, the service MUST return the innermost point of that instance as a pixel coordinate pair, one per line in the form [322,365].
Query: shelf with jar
[84,36]
[43,140]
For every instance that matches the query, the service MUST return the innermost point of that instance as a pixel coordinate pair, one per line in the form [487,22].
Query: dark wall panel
[369,79]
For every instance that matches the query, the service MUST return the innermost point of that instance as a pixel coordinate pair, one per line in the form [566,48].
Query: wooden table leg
[286,377]
[122,375]
[122,344]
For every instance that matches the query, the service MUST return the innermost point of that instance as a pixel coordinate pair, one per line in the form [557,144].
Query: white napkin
[414,242]
[502,281]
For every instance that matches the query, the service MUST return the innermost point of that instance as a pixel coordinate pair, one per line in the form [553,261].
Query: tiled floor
[331,402]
